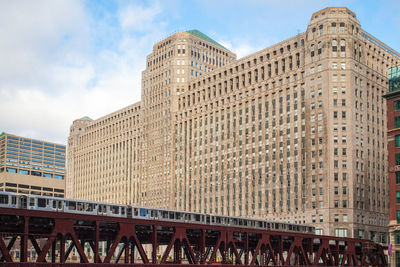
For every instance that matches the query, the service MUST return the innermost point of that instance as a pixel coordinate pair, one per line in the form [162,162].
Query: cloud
[59,63]
[241,48]
[138,18]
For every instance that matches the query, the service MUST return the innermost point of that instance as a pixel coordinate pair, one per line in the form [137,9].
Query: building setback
[30,166]
[295,132]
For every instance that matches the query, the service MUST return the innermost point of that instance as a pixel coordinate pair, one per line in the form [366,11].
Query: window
[341,232]
[397,140]
[397,237]
[397,122]
[396,105]
[397,197]
[341,28]
[398,216]
[344,217]
[336,217]
[333,28]
[397,159]
[397,177]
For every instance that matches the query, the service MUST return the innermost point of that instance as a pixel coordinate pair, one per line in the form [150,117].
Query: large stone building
[295,132]
[31,166]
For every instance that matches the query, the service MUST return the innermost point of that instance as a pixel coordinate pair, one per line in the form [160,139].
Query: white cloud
[241,47]
[52,70]
[138,18]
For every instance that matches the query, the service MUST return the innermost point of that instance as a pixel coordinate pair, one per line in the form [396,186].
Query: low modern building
[31,166]
[393,125]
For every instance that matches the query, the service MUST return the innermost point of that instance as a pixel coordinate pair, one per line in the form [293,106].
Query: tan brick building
[295,132]
[30,166]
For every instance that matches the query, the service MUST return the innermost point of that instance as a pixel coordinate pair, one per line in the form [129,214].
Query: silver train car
[46,203]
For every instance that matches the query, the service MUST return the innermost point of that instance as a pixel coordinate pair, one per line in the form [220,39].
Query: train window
[122,210]
[13,200]
[153,213]
[235,221]
[207,219]
[171,215]
[165,214]
[115,209]
[59,204]
[41,203]
[197,217]
[187,217]
[3,199]
[54,204]
[89,207]
[31,202]
[218,220]
[178,215]
[129,212]
[143,212]
[135,211]
[71,205]
[79,206]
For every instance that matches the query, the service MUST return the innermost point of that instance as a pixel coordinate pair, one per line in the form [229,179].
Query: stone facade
[295,132]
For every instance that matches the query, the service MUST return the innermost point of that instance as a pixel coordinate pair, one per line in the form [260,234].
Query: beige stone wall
[103,157]
[27,184]
[170,67]
[295,132]
[303,142]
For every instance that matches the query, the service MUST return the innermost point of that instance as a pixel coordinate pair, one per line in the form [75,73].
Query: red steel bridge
[139,242]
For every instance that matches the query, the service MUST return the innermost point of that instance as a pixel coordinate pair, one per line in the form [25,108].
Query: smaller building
[30,166]
[393,126]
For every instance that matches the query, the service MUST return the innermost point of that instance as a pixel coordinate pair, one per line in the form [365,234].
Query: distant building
[30,166]
[393,128]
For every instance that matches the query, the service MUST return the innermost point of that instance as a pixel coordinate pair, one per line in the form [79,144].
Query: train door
[22,202]
[13,201]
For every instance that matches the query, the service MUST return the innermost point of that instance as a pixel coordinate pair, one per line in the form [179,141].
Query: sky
[61,60]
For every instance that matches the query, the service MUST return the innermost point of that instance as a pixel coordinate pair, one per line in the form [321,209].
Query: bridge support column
[154,243]
[24,240]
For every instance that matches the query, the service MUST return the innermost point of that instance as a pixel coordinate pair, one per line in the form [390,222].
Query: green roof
[86,118]
[201,35]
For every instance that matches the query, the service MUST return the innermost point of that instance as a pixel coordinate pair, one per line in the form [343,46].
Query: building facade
[31,166]
[103,160]
[393,125]
[295,132]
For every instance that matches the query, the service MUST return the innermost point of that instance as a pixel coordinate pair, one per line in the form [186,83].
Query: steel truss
[54,235]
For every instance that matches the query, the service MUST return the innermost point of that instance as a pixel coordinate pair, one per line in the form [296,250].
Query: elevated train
[46,203]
